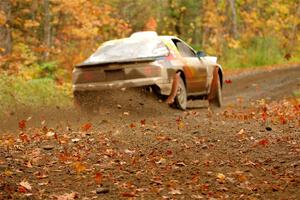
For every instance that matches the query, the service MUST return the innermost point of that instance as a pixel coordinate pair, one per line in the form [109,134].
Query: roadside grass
[261,52]
[16,92]
[296,94]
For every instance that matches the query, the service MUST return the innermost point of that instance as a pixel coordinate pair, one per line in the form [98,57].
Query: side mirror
[201,54]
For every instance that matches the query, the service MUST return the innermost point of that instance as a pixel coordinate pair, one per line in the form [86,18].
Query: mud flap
[214,85]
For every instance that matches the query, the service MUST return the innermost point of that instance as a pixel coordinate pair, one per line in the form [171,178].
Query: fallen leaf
[181,164]
[282,120]
[132,125]
[128,194]
[240,176]
[8,173]
[228,81]
[162,138]
[264,114]
[56,136]
[63,157]
[43,183]
[169,152]
[143,122]
[127,151]
[24,137]
[29,165]
[22,189]
[181,125]
[276,188]
[66,196]
[26,185]
[98,177]
[79,167]
[175,192]
[75,140]
[50,134]
[242,134]
[161,161]
[197,196]
[40,175]
[86,127]
[22,124]
[263,142]
[221,178]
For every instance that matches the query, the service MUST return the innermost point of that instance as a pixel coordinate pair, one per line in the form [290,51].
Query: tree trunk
[296,26]
[5,31]
[204,28]
[47,28]
[234,18]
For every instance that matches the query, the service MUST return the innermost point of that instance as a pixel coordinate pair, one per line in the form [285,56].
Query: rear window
[129,48]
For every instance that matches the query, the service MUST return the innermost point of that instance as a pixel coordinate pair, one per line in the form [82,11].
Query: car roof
[164,38]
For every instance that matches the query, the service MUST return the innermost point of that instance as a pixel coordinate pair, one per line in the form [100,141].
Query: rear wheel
[181,96]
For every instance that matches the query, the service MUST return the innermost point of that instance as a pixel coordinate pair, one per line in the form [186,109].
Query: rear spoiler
[135,60]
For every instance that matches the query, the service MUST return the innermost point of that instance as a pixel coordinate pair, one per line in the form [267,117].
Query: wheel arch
[182,75]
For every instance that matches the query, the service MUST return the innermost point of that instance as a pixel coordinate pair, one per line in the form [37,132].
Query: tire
[181,96]
[217,101]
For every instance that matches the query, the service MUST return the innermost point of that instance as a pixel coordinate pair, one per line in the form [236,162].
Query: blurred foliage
[261,52]
[17,92]
[48,37]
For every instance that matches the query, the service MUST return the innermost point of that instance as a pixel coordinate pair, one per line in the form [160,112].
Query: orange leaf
[178,120]
[24,137]
[22,124]
[264,116]
[228,81]
[63,157]
[22,189]
[128,194]
[55,136]
[132,125]
[143,122]
[98,177]
[86,127]
[282,120]
[263,142]
[151,24]
[79,167]
[169,152]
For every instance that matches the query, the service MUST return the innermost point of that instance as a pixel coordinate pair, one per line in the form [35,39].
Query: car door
[194,68]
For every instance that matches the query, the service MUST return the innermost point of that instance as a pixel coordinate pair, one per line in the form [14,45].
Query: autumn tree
[39,33]
[5,29]
[56,30]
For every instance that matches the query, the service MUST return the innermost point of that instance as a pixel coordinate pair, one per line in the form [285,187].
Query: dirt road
[266,83]
[138,147]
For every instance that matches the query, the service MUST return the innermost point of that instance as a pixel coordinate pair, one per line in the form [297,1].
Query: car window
[129,48]
[183,49]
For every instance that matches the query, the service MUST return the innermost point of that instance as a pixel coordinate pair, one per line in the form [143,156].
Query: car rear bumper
[119,84]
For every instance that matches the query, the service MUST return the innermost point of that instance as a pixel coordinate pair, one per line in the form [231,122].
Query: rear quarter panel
[191,74]
[116,72]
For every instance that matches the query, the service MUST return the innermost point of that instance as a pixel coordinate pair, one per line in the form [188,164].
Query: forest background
[42,40]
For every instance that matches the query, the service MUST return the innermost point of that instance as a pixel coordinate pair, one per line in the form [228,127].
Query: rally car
[147,59]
